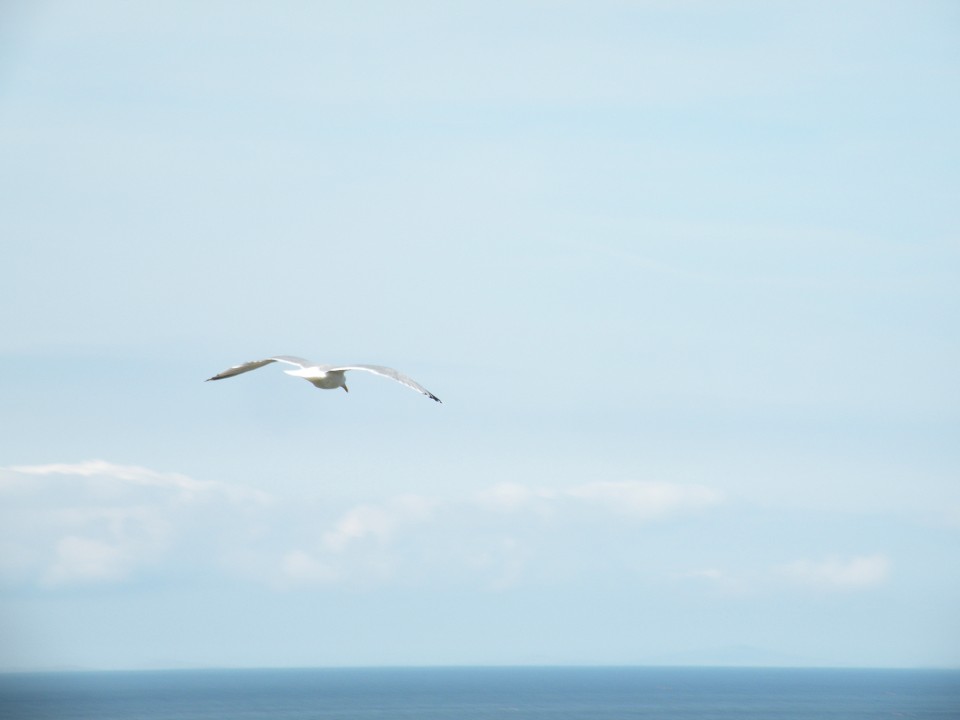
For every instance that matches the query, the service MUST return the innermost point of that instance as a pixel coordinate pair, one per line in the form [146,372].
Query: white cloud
[646,500]
[187,487]
[357,524]
[716,580]
[711,574]
[497,537]
[642,500]
[298,566]
[95,521]
[85,559]
[834,573]
[377,521]
[512,497]
[507,560]
[100,522]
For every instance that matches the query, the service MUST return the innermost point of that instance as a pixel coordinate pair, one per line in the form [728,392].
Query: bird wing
[254,364]
[389,373]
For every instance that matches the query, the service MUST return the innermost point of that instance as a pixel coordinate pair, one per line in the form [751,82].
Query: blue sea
[482,694]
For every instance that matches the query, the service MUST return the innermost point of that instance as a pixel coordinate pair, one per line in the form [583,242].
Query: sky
[684,274]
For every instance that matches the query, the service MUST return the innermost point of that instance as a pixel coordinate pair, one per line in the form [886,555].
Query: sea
[517,693]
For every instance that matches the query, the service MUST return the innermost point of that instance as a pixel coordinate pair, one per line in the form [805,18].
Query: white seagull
[325,377]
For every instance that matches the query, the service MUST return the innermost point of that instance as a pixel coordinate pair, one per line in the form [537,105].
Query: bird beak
[345,388]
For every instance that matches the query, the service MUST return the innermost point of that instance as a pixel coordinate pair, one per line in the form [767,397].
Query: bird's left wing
[389,373]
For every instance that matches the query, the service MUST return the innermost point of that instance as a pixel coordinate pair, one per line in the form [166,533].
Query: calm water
[482,693]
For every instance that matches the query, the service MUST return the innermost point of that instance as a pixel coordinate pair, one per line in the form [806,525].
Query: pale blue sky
[685,275]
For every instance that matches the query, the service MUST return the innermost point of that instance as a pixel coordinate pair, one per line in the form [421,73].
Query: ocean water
[482,694]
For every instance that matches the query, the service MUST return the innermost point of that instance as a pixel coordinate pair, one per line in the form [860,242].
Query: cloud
[377,521]
[84,559]
[186,487]
[833,573]
[513,497]
[498,537]
[716,580]
[298,567]
[356,547]
[505,562]
[710,574]
[97,522]
[637,499]
[646,500]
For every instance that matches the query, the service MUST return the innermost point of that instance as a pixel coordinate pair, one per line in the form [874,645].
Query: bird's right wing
[254,364]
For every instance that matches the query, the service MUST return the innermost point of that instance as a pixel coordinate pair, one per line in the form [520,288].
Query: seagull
[325,377]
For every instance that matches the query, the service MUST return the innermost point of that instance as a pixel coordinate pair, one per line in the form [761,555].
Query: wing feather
[254,364]
[389,373]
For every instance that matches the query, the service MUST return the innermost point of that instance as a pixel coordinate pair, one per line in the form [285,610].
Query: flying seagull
[325,377]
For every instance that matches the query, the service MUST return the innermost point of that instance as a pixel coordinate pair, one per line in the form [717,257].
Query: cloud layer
[641,500]
[835,573]
[100,522]
[97,522]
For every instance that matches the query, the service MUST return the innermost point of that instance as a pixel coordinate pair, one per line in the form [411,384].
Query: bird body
[325,377]
[329,380]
